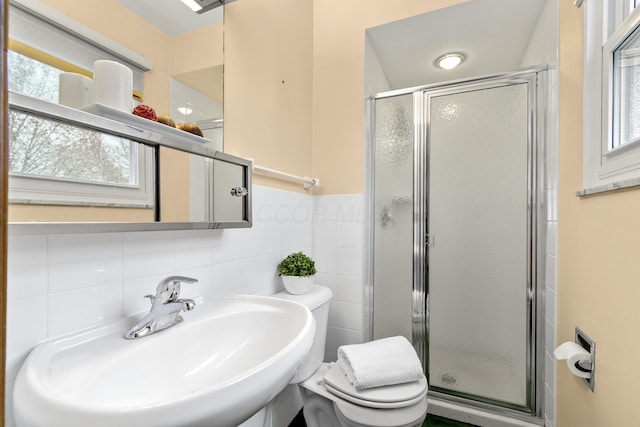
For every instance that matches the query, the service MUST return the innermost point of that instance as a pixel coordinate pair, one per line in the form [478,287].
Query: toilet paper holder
[587,366]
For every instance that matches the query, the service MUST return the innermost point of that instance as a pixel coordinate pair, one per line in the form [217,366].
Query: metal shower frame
[537,89]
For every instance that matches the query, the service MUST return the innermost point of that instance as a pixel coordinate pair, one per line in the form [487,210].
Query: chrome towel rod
[306,181]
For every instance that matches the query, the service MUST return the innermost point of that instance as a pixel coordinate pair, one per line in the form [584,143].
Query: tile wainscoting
[58,284]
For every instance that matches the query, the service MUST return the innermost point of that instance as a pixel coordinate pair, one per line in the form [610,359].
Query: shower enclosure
[456,257]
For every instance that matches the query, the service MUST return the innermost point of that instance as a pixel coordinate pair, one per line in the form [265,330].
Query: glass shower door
[479,243]
[393,216]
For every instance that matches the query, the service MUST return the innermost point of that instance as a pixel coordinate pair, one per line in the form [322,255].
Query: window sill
[614,186]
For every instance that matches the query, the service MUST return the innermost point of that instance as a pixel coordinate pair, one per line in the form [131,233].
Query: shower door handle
[431,241]
[531,294]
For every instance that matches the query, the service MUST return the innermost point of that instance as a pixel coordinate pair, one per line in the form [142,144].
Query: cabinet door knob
[239,191]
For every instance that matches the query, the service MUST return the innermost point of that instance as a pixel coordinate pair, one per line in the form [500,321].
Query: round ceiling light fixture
[450,61]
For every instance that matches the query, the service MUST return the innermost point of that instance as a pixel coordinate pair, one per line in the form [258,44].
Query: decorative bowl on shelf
[140,122]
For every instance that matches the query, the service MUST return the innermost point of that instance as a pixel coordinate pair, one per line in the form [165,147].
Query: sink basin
[227,359]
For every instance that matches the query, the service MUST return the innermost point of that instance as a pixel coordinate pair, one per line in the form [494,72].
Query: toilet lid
[387,397]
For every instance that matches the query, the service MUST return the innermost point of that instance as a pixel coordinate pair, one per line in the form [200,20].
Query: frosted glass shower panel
[393,210]
[478,268]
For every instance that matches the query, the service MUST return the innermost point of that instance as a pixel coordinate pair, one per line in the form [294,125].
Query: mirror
[197,97]
[196,86]
[205,190]
[131,171]
[185,82]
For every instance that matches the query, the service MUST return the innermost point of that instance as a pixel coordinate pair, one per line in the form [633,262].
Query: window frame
[604,165]
[34,189]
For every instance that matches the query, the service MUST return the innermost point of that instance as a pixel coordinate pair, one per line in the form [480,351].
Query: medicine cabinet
[77,171]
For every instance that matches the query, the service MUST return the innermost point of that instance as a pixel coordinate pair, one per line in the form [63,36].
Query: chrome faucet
[165,308]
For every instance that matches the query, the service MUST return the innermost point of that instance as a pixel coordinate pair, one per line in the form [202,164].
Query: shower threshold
[476,416]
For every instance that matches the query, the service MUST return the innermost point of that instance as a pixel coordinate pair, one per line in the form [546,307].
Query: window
[612,92]
[626,91]
[47,148]
[58,163]
[32,77]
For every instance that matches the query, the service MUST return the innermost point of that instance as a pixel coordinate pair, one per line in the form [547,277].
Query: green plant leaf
[297,264]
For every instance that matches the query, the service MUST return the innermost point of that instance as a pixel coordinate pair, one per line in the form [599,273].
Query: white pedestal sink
[227,359]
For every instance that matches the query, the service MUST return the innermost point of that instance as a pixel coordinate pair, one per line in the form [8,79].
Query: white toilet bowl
[331,401]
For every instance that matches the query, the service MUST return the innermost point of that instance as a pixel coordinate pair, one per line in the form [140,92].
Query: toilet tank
[317,301]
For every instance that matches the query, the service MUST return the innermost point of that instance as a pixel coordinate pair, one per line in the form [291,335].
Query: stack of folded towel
[379,363]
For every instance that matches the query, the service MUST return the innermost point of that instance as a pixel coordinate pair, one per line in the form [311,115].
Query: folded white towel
[381,362]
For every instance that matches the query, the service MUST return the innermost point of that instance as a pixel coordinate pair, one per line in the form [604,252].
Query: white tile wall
[551,273]
[339,250]
[32,278]
[63,283]
[543,49]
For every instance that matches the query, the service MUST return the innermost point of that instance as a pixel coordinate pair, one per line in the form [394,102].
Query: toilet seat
[352,413]
[388,397]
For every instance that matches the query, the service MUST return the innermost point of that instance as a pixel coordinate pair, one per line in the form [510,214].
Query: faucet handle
[168,289]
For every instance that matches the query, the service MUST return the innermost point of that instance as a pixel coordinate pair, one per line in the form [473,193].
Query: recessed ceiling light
[450,61]
[193,5]
[202,6]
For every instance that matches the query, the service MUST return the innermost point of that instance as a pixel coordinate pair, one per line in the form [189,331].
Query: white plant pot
[297,285]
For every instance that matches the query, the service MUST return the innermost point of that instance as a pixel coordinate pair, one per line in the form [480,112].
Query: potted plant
[297,272]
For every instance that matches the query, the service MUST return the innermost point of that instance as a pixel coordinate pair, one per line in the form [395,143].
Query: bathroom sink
[223,363]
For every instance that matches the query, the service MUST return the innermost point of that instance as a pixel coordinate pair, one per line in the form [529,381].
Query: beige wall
[174,185]
[47,213]
[598,267]
[196,50]
[338,87]
[294,84]
[268,80]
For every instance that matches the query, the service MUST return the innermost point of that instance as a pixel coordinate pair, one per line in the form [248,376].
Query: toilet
[329,399]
